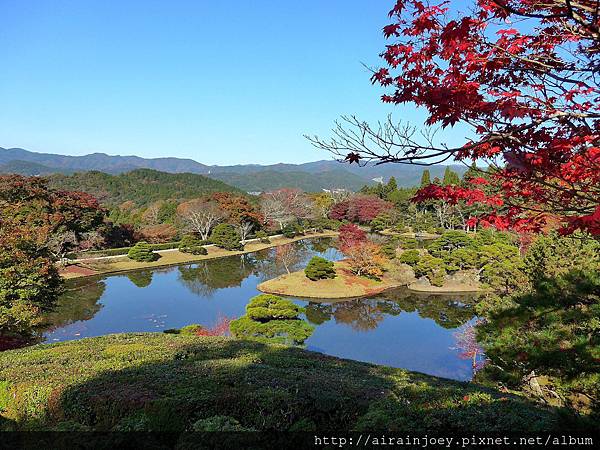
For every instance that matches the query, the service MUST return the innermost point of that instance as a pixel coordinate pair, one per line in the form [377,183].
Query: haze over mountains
[312,176]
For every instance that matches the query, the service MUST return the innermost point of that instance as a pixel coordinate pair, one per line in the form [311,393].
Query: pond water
[398,328]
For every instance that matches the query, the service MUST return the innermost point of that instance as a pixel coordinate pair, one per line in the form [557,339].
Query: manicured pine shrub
[319,268]
[263,237]
[226,236]
[142,252]
[410,257]
[193,245]
[272,318]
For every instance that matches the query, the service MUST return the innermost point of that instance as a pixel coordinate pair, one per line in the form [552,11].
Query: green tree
[319,268]
[546,341]
[226,236]
[142,252]
[425,178]
[551,255]
[450,177]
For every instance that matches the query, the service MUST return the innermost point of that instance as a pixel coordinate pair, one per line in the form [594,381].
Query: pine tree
[392,186]
[425,178]
[450,177]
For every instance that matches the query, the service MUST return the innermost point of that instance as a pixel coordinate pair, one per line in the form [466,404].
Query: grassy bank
[153,381]
[173,257]
[344,285]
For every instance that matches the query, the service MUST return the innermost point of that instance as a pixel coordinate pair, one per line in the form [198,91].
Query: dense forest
[141,186]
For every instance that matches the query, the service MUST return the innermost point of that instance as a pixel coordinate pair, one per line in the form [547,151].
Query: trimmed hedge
[142,252]
[124,250]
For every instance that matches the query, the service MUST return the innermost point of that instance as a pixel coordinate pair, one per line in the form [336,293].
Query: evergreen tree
[425,178]
[450,177]
[391,186]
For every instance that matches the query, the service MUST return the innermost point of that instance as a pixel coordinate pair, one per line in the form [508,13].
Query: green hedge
[124,250]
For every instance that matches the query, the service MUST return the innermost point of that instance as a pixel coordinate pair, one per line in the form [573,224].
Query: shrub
[142,252]
[291,230]
[192,244]
[350,235]
[319,268]
[269,307]
[380,223]
[388,249]
[408,242]
[226,236]
[272,318]
[431,267]
[410,257]
[188,330]
[448,242]
[263,237]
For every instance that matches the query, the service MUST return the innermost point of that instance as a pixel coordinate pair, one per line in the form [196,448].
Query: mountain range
[311,176]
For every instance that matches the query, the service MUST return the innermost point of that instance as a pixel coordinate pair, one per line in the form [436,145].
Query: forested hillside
[141,186]
[267,180]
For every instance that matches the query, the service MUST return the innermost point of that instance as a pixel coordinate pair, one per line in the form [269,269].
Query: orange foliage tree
[365,259]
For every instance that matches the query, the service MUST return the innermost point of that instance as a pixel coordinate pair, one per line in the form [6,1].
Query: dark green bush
[410,257]
[319,268]
[193,245]
[188,330]
[226,236]
[142,252]
[291,230]
[269,307]
[272,318]
[263,237]
[431,267]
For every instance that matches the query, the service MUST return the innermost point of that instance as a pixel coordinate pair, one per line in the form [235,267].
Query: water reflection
[398,328]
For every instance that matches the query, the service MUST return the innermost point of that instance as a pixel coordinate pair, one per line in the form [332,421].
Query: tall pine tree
[425,178]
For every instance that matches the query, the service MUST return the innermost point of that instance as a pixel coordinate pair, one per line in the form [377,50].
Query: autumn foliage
[350,235]
[365,259]
[359,208]
[522,76]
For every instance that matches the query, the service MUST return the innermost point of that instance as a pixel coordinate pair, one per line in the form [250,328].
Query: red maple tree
[522,75]
[350,235]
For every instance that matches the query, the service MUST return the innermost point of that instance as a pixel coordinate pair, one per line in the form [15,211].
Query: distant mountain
[142,186]
[102,162]
[28,168]
[312,176]
[268,179]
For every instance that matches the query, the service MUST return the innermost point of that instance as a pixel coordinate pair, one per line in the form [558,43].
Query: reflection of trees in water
[205,277]
[141,278]
[448,311]
[321,245]
[79,302]
[269,266]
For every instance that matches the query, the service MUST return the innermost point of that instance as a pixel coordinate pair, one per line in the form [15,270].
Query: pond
[398,328]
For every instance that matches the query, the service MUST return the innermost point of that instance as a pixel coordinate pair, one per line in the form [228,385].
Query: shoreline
[121,264]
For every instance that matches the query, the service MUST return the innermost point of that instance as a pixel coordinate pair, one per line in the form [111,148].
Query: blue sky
[219,82]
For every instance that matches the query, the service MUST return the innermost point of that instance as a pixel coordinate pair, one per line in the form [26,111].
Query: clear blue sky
[219,82]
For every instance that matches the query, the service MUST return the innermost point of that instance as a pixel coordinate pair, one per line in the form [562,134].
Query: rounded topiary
[319,268]
[193,245]
[226,236]
[272,318]
[142,252]
[271,307]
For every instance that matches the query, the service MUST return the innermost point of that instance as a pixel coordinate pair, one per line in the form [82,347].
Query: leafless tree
[244,229]
[200,216]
